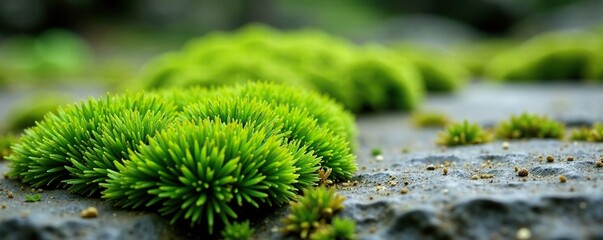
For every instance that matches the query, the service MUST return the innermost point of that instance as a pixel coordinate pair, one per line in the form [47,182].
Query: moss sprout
[529,126]
[463,133]
[33,197]
[237,231]
[315,208]
[429,119]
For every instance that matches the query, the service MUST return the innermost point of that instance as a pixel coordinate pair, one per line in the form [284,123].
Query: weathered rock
[437,206]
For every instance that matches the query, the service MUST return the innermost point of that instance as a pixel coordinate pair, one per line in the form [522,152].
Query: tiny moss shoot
[463,133]
[529,125]
[237,231]
[429,120]
[6,140]
[340,228]
[376,152]
[33,197]
[580,134]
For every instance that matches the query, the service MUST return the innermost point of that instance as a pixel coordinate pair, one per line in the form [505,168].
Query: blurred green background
[55,51]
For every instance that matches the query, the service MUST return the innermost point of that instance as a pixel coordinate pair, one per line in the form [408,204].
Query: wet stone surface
[472,192]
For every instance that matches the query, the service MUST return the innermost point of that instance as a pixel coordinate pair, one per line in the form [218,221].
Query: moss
[546,57]
[340,229]
[384,81]
[315,208]
[80,142]
[376,152]
[202,157]
[312,145]
[429,119]
[261,54]
[596,133]
[580,134]
[203,172]
[528,125]
[237,231]
[463,133]
[327,112]
[438,74]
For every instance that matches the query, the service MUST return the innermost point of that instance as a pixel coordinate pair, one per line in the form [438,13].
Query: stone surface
[497,205]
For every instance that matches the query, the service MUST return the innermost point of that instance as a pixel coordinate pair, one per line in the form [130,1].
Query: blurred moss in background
[378,55]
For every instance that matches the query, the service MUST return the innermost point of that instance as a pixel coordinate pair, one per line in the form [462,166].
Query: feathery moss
[463,133]
[315,208]
[237,231]
[529,126]
[262,54]
[293,124]
[112,141]
[76,137]
[202,172]
[327,112]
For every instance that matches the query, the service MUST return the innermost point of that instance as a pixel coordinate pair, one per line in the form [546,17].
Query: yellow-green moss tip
[528,125]
[463,133]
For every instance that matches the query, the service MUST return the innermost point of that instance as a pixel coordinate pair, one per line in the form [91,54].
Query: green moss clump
[529,126]
[237,231]
[384,81]
[438,74]
[333,67]
[203,172]
[429,119]
[596,134]
[202,157]
[553,56]
[593,134]
[580,134]
[463,133]
[315,208]
[77,145]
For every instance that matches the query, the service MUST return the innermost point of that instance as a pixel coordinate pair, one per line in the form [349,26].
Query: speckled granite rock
[497,205]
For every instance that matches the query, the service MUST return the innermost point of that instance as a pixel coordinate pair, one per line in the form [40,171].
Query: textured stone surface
[453,206]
